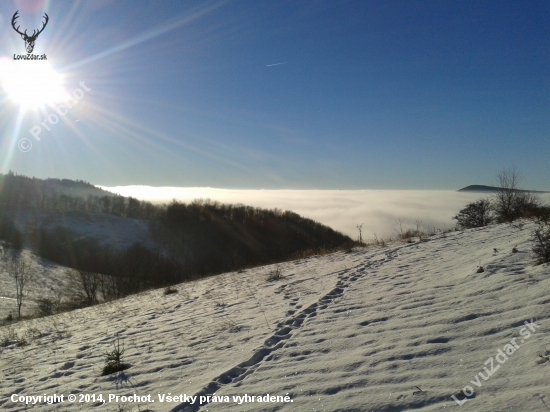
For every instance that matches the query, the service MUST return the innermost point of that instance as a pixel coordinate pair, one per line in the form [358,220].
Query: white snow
[341,332]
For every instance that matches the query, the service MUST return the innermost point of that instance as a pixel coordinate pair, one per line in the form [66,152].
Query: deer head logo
[29,40]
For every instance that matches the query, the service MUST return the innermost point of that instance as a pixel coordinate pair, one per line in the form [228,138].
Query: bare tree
[22,272]
[360,229]
[418,223]
[400,232]
[107,287]
[507,183]
[86,284]
[510,202]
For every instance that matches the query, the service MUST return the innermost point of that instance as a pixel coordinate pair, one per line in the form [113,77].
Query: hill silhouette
[492,189]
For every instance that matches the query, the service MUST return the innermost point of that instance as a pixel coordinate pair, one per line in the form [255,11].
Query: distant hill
[491,189]
[75,188]
[47,187]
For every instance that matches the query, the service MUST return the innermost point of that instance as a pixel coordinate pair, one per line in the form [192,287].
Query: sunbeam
[32,85]
[145,37]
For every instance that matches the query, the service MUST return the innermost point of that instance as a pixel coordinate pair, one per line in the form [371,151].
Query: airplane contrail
[275,64]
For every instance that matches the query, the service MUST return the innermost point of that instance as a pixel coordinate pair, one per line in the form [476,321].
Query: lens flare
[31,84]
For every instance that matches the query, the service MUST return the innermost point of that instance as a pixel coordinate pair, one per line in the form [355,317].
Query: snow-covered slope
[49,282]
[112,231]
[117,233]
[398,328]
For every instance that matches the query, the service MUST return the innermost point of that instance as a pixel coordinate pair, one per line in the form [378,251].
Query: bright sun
[31,84]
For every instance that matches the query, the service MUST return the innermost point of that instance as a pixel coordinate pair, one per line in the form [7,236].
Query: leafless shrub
[86,285]
[22,273]
[304,254]
[541,243]
[380,242]
[21,342]
[360,229]
[60,330]
[276,274]
[169,290]
[44,307]
[400,231]
[8,336]
[33,333]
[509,201]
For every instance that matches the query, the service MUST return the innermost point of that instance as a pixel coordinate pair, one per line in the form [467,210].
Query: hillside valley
[400,327]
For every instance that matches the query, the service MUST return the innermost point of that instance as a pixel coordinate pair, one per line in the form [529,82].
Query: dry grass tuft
[276,274]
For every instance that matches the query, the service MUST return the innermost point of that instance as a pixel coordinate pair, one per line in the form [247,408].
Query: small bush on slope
[113,360]
[170,290]
[9,336]
[507,204]
[541,240]
[475,214]
[275,274]
[45,307]
[509,201]
[540,214]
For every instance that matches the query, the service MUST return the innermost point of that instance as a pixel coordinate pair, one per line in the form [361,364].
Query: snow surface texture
[397,328]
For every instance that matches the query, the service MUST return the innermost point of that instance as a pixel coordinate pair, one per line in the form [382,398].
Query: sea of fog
[379,211]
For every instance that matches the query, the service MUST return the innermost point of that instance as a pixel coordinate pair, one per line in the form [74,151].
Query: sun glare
[31,84]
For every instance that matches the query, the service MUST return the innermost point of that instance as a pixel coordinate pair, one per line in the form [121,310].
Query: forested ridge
[190,239]
[19,192]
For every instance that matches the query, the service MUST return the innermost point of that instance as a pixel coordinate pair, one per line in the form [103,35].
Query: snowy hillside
[396,328]
[50,279]
[112,231]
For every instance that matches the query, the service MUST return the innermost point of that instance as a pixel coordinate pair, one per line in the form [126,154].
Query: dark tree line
[117,272]
[24,193]
[210,237]
[195,239]
[9,233]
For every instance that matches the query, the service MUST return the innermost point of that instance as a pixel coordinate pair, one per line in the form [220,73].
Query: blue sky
[369,95]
